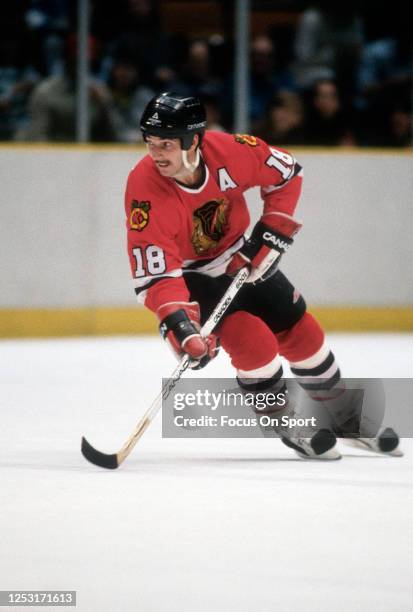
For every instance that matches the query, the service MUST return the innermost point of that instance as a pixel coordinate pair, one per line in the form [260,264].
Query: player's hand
[270,239]
[180,325]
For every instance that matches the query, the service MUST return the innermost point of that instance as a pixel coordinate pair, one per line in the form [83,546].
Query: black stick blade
[109,462]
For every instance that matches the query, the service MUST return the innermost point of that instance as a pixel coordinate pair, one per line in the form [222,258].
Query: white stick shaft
[225,301]
[206,329]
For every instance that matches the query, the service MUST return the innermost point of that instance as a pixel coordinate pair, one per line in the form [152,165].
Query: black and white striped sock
[267,379]
[319,375]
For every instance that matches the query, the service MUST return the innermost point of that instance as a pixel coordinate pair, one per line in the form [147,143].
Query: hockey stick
[113,461]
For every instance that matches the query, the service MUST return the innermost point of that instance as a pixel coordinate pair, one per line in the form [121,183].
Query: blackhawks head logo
[139,216]
[210,225]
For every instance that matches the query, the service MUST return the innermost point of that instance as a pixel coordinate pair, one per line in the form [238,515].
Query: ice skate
[357,418]
[322,445]
[307,441]
[387,442]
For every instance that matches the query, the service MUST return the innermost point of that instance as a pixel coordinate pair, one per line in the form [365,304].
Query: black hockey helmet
[170,115]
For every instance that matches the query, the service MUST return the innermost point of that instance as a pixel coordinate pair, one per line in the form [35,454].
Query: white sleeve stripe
[142,282]
[271,188]
[142,297]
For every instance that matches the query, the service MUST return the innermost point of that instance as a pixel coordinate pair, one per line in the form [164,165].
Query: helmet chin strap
[188,165]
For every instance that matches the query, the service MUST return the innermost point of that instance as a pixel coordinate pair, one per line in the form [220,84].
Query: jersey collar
[201,185]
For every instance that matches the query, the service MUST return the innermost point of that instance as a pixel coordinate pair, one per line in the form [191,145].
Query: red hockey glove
[270,239]
[180,325]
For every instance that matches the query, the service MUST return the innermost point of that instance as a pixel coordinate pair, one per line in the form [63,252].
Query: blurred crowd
[337,74]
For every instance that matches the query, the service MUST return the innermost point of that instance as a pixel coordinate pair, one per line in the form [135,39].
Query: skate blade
[330,455]
[371,447]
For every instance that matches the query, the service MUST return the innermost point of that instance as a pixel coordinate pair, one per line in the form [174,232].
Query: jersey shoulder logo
[139,216]
[246,139]
[210,225]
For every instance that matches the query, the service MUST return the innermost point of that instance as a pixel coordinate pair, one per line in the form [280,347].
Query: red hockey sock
[248,340]
[302,340]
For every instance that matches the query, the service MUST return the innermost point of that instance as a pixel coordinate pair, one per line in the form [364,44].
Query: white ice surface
[190,525]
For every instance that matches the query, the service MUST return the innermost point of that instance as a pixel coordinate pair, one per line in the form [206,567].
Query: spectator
[328,44]
[130,98]
[52,104]
[385,69]
[196,71]
[385,82]
[265,81]
[48,23]
[327,122]
[17,79]
[210,98]
[284,121]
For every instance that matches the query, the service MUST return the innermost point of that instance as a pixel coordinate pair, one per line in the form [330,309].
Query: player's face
[166,154]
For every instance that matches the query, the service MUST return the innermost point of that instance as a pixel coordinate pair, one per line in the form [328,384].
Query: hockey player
[186,220]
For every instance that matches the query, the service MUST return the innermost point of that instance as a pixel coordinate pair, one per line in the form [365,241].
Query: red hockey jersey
[173,228]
